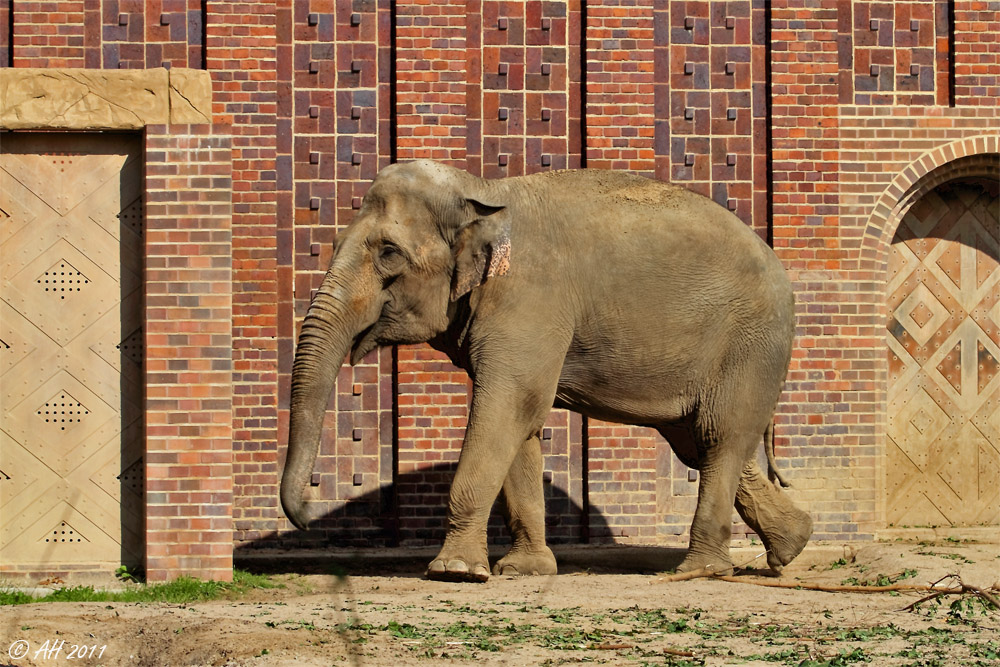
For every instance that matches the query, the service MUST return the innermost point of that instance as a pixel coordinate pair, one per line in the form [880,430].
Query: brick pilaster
[189,349]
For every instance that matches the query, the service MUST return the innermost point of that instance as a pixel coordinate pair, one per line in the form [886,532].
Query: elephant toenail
[457,566]
[481,573]
[436,566]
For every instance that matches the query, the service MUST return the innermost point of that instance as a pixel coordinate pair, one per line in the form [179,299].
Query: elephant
[623,298]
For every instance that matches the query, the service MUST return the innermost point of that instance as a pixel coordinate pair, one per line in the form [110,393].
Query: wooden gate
[71,468]
[944,357]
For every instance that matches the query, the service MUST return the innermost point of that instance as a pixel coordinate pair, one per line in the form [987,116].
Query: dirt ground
[607,606]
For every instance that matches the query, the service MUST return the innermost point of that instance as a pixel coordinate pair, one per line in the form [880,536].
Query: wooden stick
[933,588]
[704,572]
[834,588]
[685,576]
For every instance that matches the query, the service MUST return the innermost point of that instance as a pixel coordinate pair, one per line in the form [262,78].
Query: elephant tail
[772,468]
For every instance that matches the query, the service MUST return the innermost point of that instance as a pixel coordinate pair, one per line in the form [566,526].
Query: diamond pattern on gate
[944,359]
[921,314]
[62,279]
[62,409]
[79,423]
[61,318]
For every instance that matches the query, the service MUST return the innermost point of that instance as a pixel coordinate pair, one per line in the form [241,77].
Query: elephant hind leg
[524,510]
[783,528]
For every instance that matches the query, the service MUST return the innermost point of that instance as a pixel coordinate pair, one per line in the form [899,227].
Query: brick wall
[977,53]
[241,56]
[795,114]
[189,353]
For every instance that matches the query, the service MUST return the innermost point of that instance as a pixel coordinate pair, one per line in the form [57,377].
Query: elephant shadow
[397,528]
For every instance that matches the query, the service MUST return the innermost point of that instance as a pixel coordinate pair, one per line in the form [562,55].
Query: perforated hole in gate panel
[63,410]
[133,477]
[131,217]
[62,279]
[132,347]
[64,533]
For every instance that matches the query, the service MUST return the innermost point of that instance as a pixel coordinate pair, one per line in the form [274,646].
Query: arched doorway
[943,336]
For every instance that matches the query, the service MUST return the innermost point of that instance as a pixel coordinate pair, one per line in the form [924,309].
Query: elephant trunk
[327,334]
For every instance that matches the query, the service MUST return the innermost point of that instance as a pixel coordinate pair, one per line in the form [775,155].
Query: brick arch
[968,158]
[973,156]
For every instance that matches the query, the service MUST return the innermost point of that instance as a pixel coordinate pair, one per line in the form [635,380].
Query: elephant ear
[482,248]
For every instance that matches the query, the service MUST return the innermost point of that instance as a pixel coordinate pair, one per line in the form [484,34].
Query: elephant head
[425,236]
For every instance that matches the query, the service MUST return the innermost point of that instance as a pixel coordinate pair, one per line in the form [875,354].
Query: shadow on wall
[413,513]
[355,538]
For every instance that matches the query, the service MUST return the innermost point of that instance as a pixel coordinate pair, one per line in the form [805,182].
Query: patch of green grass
[840,660]
[571,639]
[949,556]
[182,590]
[880,579]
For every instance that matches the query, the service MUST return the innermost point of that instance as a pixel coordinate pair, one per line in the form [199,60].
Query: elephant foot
[534,562]
[454,567]
[718,565]
[785,544]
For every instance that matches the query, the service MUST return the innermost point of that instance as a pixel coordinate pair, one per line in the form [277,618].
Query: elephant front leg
[783,528]
[496,433]
[524,509]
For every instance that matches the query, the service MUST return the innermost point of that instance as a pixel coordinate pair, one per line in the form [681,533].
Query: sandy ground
[607,606]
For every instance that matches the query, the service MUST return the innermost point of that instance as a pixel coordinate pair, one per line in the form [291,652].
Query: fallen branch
[833,588]
[961,588]
[935,590]
[704,572]
[693,574]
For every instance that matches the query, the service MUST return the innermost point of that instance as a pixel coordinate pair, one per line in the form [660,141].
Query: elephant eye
[391,257]
[390,251]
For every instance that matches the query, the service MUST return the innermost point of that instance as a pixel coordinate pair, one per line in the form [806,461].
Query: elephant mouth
[366,341]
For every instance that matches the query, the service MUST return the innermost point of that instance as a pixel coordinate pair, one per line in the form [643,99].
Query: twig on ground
[693,574]
[959,588]
[704,572]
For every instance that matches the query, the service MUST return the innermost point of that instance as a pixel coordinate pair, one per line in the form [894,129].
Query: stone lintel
[91,99]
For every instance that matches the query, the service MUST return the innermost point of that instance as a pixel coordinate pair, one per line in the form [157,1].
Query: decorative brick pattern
[897,48]
[526,83]
[717,104]
[333,137]
[138,34]
[189,350]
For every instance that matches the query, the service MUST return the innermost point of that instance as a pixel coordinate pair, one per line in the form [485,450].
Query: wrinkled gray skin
[626,299]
